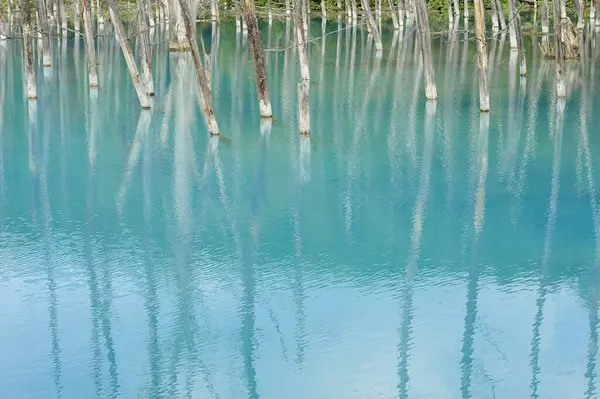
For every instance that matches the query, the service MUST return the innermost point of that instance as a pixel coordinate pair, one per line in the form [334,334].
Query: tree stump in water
[570,39]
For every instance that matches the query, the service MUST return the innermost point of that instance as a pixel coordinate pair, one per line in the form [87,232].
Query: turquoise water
[403,250]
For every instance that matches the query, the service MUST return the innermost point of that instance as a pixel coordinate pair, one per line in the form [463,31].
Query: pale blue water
[402,251]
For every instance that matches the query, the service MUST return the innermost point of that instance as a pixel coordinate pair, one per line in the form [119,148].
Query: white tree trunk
[561,89]
[76,16]
[425,38]
[43,20]
[303,108]
[482,56]
[178,38]
[28,52]
[128,54]
[300,41]
[145,52]
[374,30]
[89,44]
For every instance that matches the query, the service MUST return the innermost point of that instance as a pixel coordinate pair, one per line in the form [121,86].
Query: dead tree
[519,36]
[76,16]
[89,43]
[482,56]
[28,50]
[394,15]
[425,38]
[545,16]
[303,108]
[494,16]
[146,54]
[561,90]
[372,24]
[500,14]
[214,9]
[512,30]
[300,40]
[211,121]
[259,60]
[43,22]
[128,54]
[177,40]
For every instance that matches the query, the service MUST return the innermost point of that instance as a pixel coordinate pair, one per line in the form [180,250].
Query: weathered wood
[28,51]
[592,11]
[128,54]
[76,16]
[494,16]
[450,14]
[89,44]
[145,52]
[394,15]
[63,16]
[300,40]
[354,13]
[99,15]
[303,108]
[372,24]
[323,9]
[466,10]
[561,89]
[177,33]
[211,121]
[214,9]
[520,47]
[43,21]
[258,59]
[401,12]
[500,14]
[482,56]
[512,30]
[425,38]
[545,10]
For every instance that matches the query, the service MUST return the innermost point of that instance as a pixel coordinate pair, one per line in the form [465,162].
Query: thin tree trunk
[99,10]
[300,40]
[561,90]
[512,30]
[288,11]
[580,9]
[494,16]
[178,40]
[425,38]
[76,16]
[211,121]
[303,107]
[323,9]
[63,16]
[372,24]
[128,54]
[592,11]
[214,9]
[308,7]
[401,12]
[482,56]
[466,10]
[394,15]
[519,37]
[146,54]
[456,9]
[43,20]
[450,14]
[545,23]
[28,51]
[89,43]
[501,14]
[259,60]
[354,13]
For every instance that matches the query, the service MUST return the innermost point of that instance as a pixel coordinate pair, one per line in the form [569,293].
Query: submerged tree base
[571,42]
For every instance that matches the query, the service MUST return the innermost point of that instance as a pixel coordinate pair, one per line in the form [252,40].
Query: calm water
[403,250]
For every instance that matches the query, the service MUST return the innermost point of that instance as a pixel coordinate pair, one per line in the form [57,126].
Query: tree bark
[401,12]
[43,20]
[211,121]
[456,9]
[99,12]
[592,11]
[76,16]
[545,23]
[450,14]
[519,37]
[482,56]
[323,9]
[89,43]
[28,51]
[512,30]
[466,10]
[425,38]
[303,108]
[373,25]
[214,9]
[259,60]
[501,14]
[63,16]
[300,40]
[128,54]
[494,16]
[178,40]
[561,90]
[146,54]
[394,15]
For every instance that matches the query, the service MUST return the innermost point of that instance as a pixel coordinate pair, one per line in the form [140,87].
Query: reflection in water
[415,248]
[550,225]
[140,259]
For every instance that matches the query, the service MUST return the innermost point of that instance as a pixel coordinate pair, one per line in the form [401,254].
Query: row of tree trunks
[258,57]
[178,37]
[128,54]
[43,24]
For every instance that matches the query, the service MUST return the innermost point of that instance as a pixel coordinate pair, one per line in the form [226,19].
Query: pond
[404,250]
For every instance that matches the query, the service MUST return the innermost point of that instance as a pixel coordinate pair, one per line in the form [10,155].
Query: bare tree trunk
[456,9]
[377,9]
[259,60]
[512,30]
[494,16]
[466,10]
[214,9]
[43,20]
[545,23]
[288,11]
[450,14]
[323,9]
[401,12]
[211,121]
[561,90]
[128,54]
[89,43]
[501,14]
[63,16]
[300,40]
[308,7]
[519,37]
[99,10]
[28,51]
[178,40]
[303,108]
[425,38]
[76,16]
[592,11]
[372,24]
[394,16]
[482,56]
[580,9]
[354,13]
[270,11]
[146,54]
